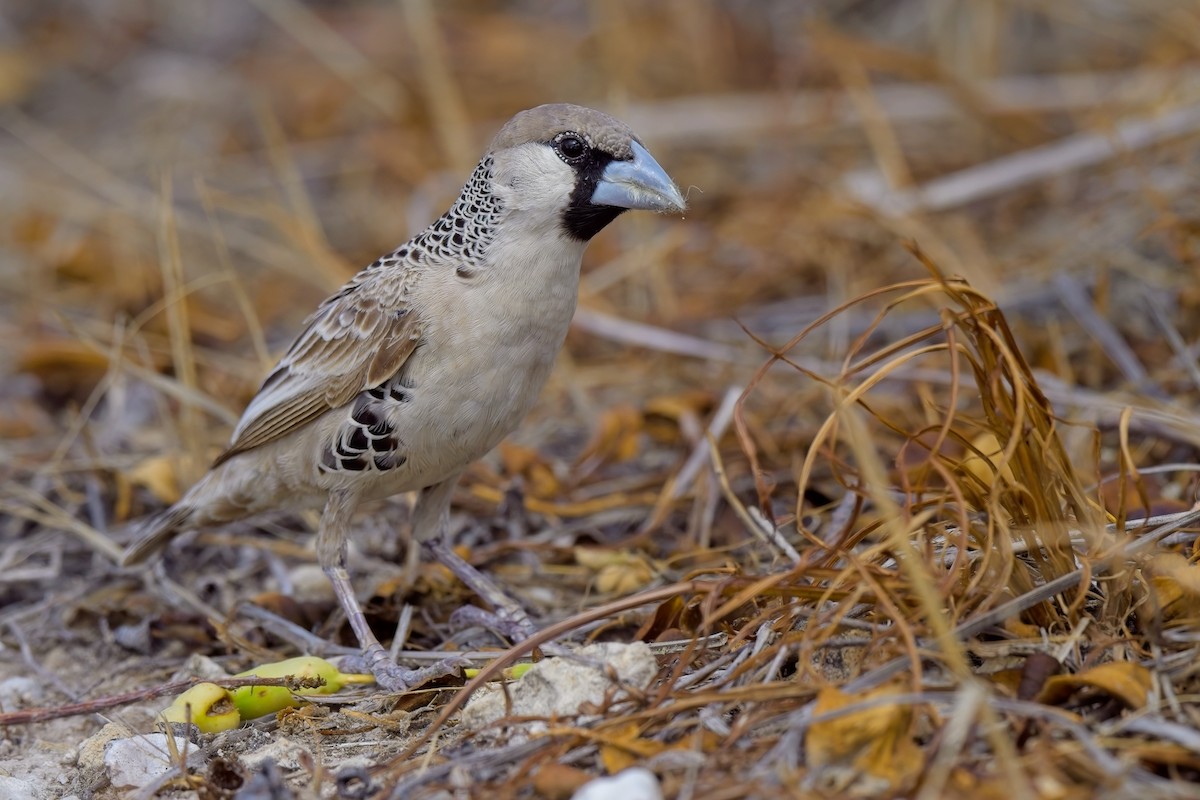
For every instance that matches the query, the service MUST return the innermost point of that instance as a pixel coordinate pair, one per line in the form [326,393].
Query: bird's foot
[509,621]
[394,678]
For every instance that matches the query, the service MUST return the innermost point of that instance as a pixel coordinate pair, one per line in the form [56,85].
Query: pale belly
[469,402]
[477,373]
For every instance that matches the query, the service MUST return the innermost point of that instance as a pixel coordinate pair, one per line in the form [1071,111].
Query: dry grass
[890,444]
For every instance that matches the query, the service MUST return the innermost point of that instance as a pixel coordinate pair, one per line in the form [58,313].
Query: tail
[156,532]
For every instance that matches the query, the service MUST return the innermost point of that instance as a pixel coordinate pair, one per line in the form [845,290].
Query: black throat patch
[583,219]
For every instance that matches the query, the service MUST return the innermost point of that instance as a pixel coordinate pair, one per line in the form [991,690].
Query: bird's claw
[511,623]
[394,678]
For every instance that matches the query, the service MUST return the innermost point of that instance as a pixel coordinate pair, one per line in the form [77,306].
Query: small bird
[430,356]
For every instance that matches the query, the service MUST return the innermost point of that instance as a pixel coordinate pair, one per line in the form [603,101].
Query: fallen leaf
[985,468]
[616,436]
[1122,680]
[1174,585]
[666,617]
[159,475]
[616,571]
[539,477]
[1162,754]
[625,747]
[869,750]
[65,367]
[666,415]
[558,781]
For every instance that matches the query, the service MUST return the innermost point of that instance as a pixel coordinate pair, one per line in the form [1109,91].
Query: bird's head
[577,168]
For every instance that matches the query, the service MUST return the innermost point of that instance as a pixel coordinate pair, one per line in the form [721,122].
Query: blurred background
[246,157]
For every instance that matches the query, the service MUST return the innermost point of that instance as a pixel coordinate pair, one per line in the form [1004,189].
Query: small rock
[135,636]
[559,687]
[310,584]
[16,788]
[281,750]
[20,692]
[635,783]
[201,666]
[91,749]
[134,762]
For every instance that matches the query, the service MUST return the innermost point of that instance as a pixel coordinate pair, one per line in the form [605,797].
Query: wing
[355,341]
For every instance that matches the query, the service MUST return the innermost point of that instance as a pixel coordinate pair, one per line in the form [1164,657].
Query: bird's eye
[570,146]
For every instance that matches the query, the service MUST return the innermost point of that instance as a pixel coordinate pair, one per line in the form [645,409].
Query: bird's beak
[639,183]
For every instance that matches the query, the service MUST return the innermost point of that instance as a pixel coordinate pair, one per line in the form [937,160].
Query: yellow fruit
[512,673]
[206,705]
[258,701]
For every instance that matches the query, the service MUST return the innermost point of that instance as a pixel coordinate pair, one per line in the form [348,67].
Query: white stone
[310,584]
[200,666]
[20,692]
[635,783]
[282,750]
[91,750]
[561,686]
[134,762]
[16,788]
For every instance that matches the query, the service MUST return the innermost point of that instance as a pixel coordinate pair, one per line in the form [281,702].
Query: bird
[427,358]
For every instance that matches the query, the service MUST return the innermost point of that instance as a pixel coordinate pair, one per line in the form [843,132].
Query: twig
[403,627]
[31,715]
[1076,301]
[650,336]
[700,453]
[1028,166]
[752,518]
[52,516]
[1184,358]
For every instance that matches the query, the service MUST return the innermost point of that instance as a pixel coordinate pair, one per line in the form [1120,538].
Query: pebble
[560,687]
[134,762]
[635,783]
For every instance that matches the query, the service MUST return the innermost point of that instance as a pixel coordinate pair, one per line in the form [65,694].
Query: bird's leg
[331,553]
[508,618]
[431,522]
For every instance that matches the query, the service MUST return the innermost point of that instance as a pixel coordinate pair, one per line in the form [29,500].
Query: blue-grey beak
[638,184]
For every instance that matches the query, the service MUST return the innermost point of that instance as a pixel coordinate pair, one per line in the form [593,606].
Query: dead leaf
[666,617]
[582,508]
[1162,754]
[160,476]
[66,368]
[987,468]
[539,477]
[1175,586]
[1022,630]
[1122,680]
[869,750]
[1037,669]
[616,571]
[616,436]
[558,781]
[666,415]
[625,747]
